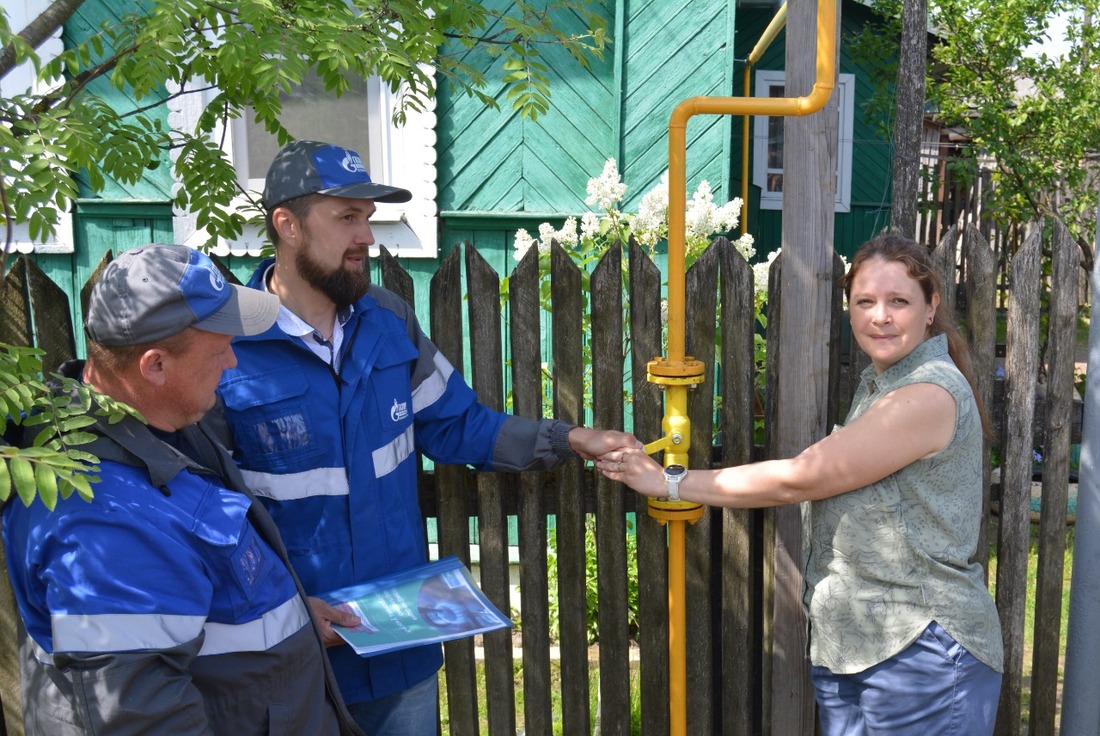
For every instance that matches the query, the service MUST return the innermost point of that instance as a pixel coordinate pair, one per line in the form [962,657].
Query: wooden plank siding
[548,160]
[731,588]
[674,51]
[619,109]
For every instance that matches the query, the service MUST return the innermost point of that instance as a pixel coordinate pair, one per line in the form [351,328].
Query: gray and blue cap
[157,290]
[311,167]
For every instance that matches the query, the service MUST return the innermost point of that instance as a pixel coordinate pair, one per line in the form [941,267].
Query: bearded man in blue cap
[329,408]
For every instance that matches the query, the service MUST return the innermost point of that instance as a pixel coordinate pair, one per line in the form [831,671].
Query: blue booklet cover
[435,602]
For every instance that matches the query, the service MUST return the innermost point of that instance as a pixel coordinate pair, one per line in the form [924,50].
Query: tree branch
[39,30]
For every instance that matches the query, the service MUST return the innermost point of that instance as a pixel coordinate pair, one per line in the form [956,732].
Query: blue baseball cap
[157,290]
[311,167]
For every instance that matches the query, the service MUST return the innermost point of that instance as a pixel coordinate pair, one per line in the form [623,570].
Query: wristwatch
[673,475]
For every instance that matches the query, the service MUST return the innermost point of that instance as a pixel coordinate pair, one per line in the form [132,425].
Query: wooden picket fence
[729,553]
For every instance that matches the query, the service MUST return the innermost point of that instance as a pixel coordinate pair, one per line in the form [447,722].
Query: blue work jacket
[332,454]
[164,604]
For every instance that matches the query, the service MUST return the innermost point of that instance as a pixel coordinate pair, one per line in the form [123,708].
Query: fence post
[1061,344]
[645,336]
[453,516]
[1022,365]
[565,288]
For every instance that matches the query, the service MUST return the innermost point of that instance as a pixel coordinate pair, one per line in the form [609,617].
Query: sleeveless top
[887,559]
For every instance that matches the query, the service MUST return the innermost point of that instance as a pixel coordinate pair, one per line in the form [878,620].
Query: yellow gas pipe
[766,38]
[677,373]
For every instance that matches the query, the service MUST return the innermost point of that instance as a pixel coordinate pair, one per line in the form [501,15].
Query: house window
[311,113]
[768,142]
[360,119]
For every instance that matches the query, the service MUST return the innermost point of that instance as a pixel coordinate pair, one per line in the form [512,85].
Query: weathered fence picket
[523,296]
[1021,366]
[1061,345]
[730,554]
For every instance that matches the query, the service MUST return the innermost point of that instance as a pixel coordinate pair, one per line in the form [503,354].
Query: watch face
[675,471]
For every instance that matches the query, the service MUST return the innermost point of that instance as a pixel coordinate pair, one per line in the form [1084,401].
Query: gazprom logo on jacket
[399,412]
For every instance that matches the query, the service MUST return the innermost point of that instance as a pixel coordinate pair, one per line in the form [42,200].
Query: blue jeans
[932,687]
[412,712]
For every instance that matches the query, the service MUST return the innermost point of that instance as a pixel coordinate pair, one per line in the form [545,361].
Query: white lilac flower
[547,232]
[729,214]
[760,278]
[607,190]
[649,224]
[590,225]
[699,218]
[745,246]
[664,311]
[568,233]
[522,244]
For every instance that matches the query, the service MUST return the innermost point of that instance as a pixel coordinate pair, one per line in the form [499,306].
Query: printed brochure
[435,602]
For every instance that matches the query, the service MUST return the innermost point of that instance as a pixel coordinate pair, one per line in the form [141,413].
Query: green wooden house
[478,174]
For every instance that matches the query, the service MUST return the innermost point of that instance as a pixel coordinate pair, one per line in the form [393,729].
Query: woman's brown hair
[918,264]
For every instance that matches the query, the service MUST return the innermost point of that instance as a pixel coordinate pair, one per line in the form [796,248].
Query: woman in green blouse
[905,637]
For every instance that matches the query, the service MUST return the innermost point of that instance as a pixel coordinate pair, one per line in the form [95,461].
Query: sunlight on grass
[1029,613]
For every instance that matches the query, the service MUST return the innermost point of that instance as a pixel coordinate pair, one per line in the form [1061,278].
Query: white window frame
[765,80]
[401,156]
[21,80]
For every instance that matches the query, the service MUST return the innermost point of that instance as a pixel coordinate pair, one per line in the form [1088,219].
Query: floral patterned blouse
[887,559]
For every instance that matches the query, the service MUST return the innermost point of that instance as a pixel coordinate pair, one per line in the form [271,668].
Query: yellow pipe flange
[666,511]
[675,372]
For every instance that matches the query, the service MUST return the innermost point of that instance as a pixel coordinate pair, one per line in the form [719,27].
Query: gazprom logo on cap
[203,286]
[352,163]
[216,280]
[338,167]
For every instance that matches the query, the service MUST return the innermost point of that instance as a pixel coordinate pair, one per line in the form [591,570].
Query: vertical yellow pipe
[745,87]
[677,629]
[676,373]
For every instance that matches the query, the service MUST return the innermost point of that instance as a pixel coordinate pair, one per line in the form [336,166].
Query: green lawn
[1029,614]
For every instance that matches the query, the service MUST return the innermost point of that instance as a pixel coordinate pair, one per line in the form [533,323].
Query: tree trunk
[909,117]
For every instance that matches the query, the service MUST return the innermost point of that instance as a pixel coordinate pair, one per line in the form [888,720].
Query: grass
[555,697]
[1029,615]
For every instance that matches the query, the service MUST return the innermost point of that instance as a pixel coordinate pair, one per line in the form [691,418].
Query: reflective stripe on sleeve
[118,632]
[432,387]
[389,456]
[292,486]
[258,635]
[121,632]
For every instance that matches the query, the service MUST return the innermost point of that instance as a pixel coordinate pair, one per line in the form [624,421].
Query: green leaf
[22,475]
[5,480]
[47,484]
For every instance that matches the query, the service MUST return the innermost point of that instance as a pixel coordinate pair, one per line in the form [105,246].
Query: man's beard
[341,285]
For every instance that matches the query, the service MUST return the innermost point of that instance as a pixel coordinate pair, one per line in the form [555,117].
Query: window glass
[312,113]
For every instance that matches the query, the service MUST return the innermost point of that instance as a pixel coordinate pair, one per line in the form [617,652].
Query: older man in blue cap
[166,604]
